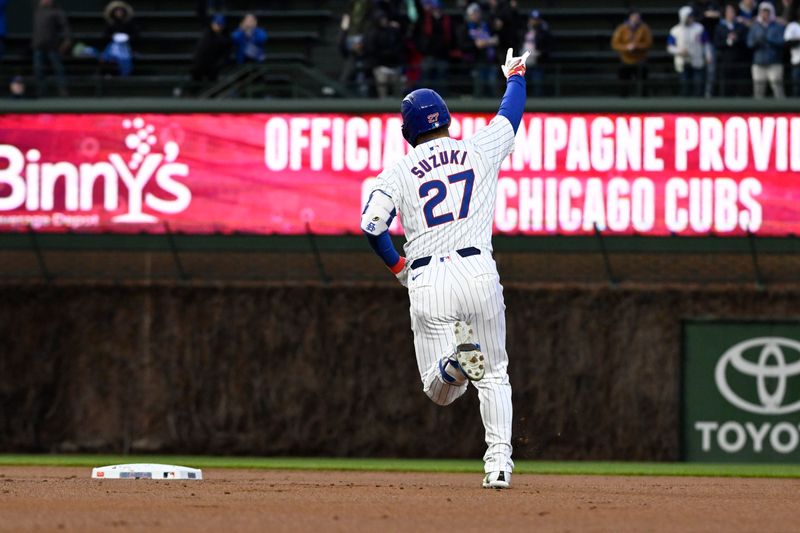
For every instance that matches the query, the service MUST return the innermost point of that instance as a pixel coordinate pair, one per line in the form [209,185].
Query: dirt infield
[235,500]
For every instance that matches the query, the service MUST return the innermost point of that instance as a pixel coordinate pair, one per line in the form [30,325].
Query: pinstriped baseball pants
[467,289]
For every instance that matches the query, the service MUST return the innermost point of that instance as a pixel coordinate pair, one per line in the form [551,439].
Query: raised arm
[497,139]
[513,104]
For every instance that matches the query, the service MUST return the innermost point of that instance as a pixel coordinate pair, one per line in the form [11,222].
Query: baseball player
[445,190]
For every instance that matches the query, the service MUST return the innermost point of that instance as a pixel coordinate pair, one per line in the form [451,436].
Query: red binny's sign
[650,174]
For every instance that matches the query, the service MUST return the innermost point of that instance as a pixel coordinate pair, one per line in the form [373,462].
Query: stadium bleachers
[305,33]
[167,41]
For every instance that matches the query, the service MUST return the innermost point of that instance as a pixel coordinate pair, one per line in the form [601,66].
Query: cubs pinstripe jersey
[445,190]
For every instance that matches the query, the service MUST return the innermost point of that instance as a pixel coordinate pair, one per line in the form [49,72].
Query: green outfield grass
[418,465]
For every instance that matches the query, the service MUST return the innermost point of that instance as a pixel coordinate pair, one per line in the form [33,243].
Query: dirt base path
[236,500]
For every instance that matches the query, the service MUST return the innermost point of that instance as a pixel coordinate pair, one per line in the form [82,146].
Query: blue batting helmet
[423,110]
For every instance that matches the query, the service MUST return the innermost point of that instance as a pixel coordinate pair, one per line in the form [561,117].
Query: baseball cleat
[497,480]
[468,354]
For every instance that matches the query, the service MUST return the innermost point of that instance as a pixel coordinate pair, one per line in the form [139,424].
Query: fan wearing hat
[765,39]
[690,45]
[120,36]
[212,52]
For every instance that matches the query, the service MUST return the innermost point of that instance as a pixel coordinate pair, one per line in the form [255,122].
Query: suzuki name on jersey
[445,157]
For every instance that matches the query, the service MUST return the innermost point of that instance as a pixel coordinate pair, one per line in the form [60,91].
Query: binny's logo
[771,374]
[32,182]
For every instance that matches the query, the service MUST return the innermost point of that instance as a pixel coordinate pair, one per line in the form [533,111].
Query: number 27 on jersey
[436,191]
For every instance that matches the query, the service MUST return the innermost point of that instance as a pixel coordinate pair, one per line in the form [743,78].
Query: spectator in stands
[119,19]
[632,40]
[708,14]
[355,24]
[355,74]
[16,88]
[479,49]
[765,38]
[507,23]
[249,41]
[213,51]
[385,51]
[747,12]
[50,38]
[732,54]
[537,41]
[434,40]
[120,37]
[689,43]
[3,4]
[792,38]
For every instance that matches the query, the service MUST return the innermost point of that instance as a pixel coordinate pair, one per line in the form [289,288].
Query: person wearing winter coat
[765,38]
[479,52]
[385,51]
[733,55]
[50,38]
[249,41]
[536,40]
[120,37]
[213,51]
[632,40]
[708,15]
[688,42]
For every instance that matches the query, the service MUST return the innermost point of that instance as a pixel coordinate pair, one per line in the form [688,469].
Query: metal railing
[271,81]
[293,80]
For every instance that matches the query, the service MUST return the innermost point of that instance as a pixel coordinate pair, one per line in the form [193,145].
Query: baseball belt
[424,261]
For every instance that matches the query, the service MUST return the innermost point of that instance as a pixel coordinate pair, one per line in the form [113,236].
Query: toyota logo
[770,365]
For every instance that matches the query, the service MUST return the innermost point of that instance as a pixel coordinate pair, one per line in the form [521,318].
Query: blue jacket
[766,42]
[249,46]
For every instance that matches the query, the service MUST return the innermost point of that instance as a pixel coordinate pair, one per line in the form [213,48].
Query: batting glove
[515,65]
[400,270]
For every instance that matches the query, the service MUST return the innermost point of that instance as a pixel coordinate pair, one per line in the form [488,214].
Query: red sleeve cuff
[398,267]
